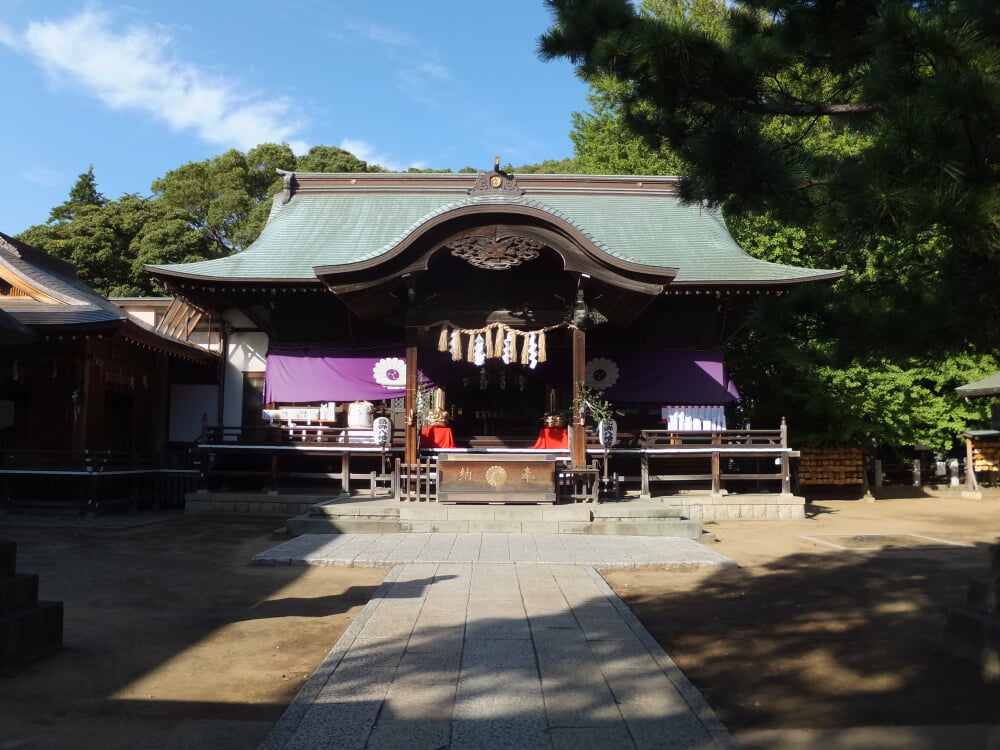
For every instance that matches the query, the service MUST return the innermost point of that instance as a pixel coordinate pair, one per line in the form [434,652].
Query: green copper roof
[367,215]
[986,387]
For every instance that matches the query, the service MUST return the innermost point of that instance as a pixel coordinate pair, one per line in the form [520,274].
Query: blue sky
[139,89]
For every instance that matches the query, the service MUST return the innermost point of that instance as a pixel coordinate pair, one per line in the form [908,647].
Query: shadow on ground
[821,640]
[171,638]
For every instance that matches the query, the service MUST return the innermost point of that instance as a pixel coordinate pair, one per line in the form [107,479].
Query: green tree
[228,196]
[741,103]
[83,193]
[917,80]
[906,94]
[222,196]
[549,166]
[200,210]
[109,244]
[603,143]
[332,159]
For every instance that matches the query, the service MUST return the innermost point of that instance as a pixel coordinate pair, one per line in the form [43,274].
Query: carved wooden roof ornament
[495,255]
[496,182]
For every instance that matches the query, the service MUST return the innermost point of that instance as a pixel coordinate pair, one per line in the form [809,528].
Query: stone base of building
[250,503]
[776,507]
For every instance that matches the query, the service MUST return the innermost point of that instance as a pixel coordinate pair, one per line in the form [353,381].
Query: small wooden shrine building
[496,293]
[982,447]
[81,382]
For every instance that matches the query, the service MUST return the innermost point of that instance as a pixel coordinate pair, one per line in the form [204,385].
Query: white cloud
[368,153]
[7,36]
[418,72]
[434,69]
[134,70]
[381,34]
[43,176]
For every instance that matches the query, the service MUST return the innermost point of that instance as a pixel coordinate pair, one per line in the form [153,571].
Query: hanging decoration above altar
[495,341]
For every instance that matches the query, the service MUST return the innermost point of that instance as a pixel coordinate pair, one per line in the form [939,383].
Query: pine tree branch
[808,110]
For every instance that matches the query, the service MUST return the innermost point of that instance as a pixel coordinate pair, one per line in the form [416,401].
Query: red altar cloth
[437,437]
[552,437]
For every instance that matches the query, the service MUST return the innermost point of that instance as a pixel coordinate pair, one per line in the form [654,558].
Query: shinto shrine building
[466,309]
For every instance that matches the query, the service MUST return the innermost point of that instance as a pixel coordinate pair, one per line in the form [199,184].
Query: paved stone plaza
[496,641]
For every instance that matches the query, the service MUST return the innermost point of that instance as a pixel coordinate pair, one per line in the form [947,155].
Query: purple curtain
[307,375]
[669,377]
[636,375]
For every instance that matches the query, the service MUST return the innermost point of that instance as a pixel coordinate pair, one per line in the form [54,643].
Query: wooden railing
[267,456]
[719,459]
[294,432]
[418,482]
[95,479]
[745,438]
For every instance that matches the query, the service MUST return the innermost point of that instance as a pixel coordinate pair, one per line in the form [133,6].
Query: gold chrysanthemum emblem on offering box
[496,476]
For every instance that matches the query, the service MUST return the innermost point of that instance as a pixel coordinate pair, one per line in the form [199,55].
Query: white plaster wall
[188,405]
[146,316]
[246,352]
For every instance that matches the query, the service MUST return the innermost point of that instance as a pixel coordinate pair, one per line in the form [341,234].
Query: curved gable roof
[334,220]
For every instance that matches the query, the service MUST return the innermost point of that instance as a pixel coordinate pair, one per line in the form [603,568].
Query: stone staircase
[29,628]
[630,517]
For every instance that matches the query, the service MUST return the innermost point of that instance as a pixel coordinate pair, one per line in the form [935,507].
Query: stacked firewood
[843,465]
[986,455]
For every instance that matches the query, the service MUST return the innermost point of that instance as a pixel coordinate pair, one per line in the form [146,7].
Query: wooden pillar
[786,468]
[272,475]
[345,471]
[786,475]
[412,433]
[577,434]
[644,492]
[87,394]
[92,425]
[716,473]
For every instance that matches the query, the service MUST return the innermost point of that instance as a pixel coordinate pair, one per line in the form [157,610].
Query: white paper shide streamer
[479,351]
[508,347]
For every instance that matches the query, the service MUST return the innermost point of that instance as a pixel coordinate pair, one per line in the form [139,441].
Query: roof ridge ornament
[496,182]
[287,184]
[10,247]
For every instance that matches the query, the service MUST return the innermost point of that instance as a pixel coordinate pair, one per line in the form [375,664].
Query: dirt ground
[805,635]
[173,641]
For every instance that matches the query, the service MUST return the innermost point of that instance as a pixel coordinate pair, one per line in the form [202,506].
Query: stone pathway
[466,653]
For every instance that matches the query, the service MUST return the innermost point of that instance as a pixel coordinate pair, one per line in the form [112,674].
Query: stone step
[684,528]
[309,524]
[628,511]
[672,527]
[30,633]
[526,512]
[17,592]
[334,510]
